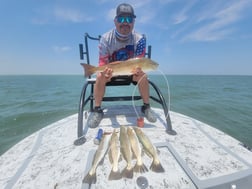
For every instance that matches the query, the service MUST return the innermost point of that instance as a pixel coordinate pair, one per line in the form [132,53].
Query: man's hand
[107,74]
[137,74]
[138,71]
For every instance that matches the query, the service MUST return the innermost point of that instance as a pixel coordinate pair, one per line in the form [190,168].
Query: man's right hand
[107,74]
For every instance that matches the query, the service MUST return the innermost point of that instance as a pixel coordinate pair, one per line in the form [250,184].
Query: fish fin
[127,173]
[116,62]
[90,179]
[133,154]
[102,161]
[103,158]
[120,158]
[115,175]
[147,153]
[142,152]
[156,167]
[140,168]
[88,69]
[94,157]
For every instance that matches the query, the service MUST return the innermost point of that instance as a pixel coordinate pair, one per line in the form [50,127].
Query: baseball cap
[125,9]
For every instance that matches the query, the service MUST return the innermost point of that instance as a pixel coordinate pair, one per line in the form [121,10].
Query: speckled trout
[136,148]
[126,67]
[114,155]
[90,178]
[126,152]
[150,149]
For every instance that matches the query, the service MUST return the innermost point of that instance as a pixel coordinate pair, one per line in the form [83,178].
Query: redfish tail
[89,179]
[140,168]
[115,175]
[156,167]
[88,69]
[127,173]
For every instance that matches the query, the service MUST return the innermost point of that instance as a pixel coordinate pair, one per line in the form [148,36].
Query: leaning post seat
[86,99]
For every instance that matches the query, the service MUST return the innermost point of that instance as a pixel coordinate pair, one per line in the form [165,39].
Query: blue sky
[187,36]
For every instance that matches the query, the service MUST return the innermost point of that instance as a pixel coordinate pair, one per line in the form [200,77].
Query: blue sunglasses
[122,19]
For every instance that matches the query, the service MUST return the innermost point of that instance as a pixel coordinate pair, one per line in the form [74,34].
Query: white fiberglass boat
[192,154]
[198,156]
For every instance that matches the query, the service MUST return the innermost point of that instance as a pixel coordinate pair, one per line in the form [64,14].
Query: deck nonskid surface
[48,158]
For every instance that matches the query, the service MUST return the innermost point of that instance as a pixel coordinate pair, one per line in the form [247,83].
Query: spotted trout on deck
[122,67]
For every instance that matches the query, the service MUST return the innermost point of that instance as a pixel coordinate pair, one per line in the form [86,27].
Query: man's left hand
[138,72]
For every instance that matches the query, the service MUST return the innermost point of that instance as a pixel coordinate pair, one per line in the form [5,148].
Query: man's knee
[100,79]
[142,78]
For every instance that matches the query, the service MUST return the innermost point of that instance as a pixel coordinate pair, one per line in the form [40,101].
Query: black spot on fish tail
[90,179]
[157,167]
[127,173]
[140,168]
[115,175]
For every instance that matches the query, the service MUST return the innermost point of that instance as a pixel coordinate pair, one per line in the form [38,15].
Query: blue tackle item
[98,137]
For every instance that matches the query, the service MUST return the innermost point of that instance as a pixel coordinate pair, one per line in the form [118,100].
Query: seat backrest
[85,54]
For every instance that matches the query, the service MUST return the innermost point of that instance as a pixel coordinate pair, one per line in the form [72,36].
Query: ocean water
[29,103]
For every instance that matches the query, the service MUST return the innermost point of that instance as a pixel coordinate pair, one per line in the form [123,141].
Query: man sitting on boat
[119,44]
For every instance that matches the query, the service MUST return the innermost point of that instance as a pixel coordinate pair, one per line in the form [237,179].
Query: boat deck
[199,156]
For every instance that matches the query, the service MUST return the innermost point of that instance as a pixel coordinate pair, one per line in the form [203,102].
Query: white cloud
[111,14]
[140,8]
[60,49]
[71,15]
[146,18]
[219,24]
[182,16]
[59,14]
[140,4]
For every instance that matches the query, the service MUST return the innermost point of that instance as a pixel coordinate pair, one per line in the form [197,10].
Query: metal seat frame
[84,100]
